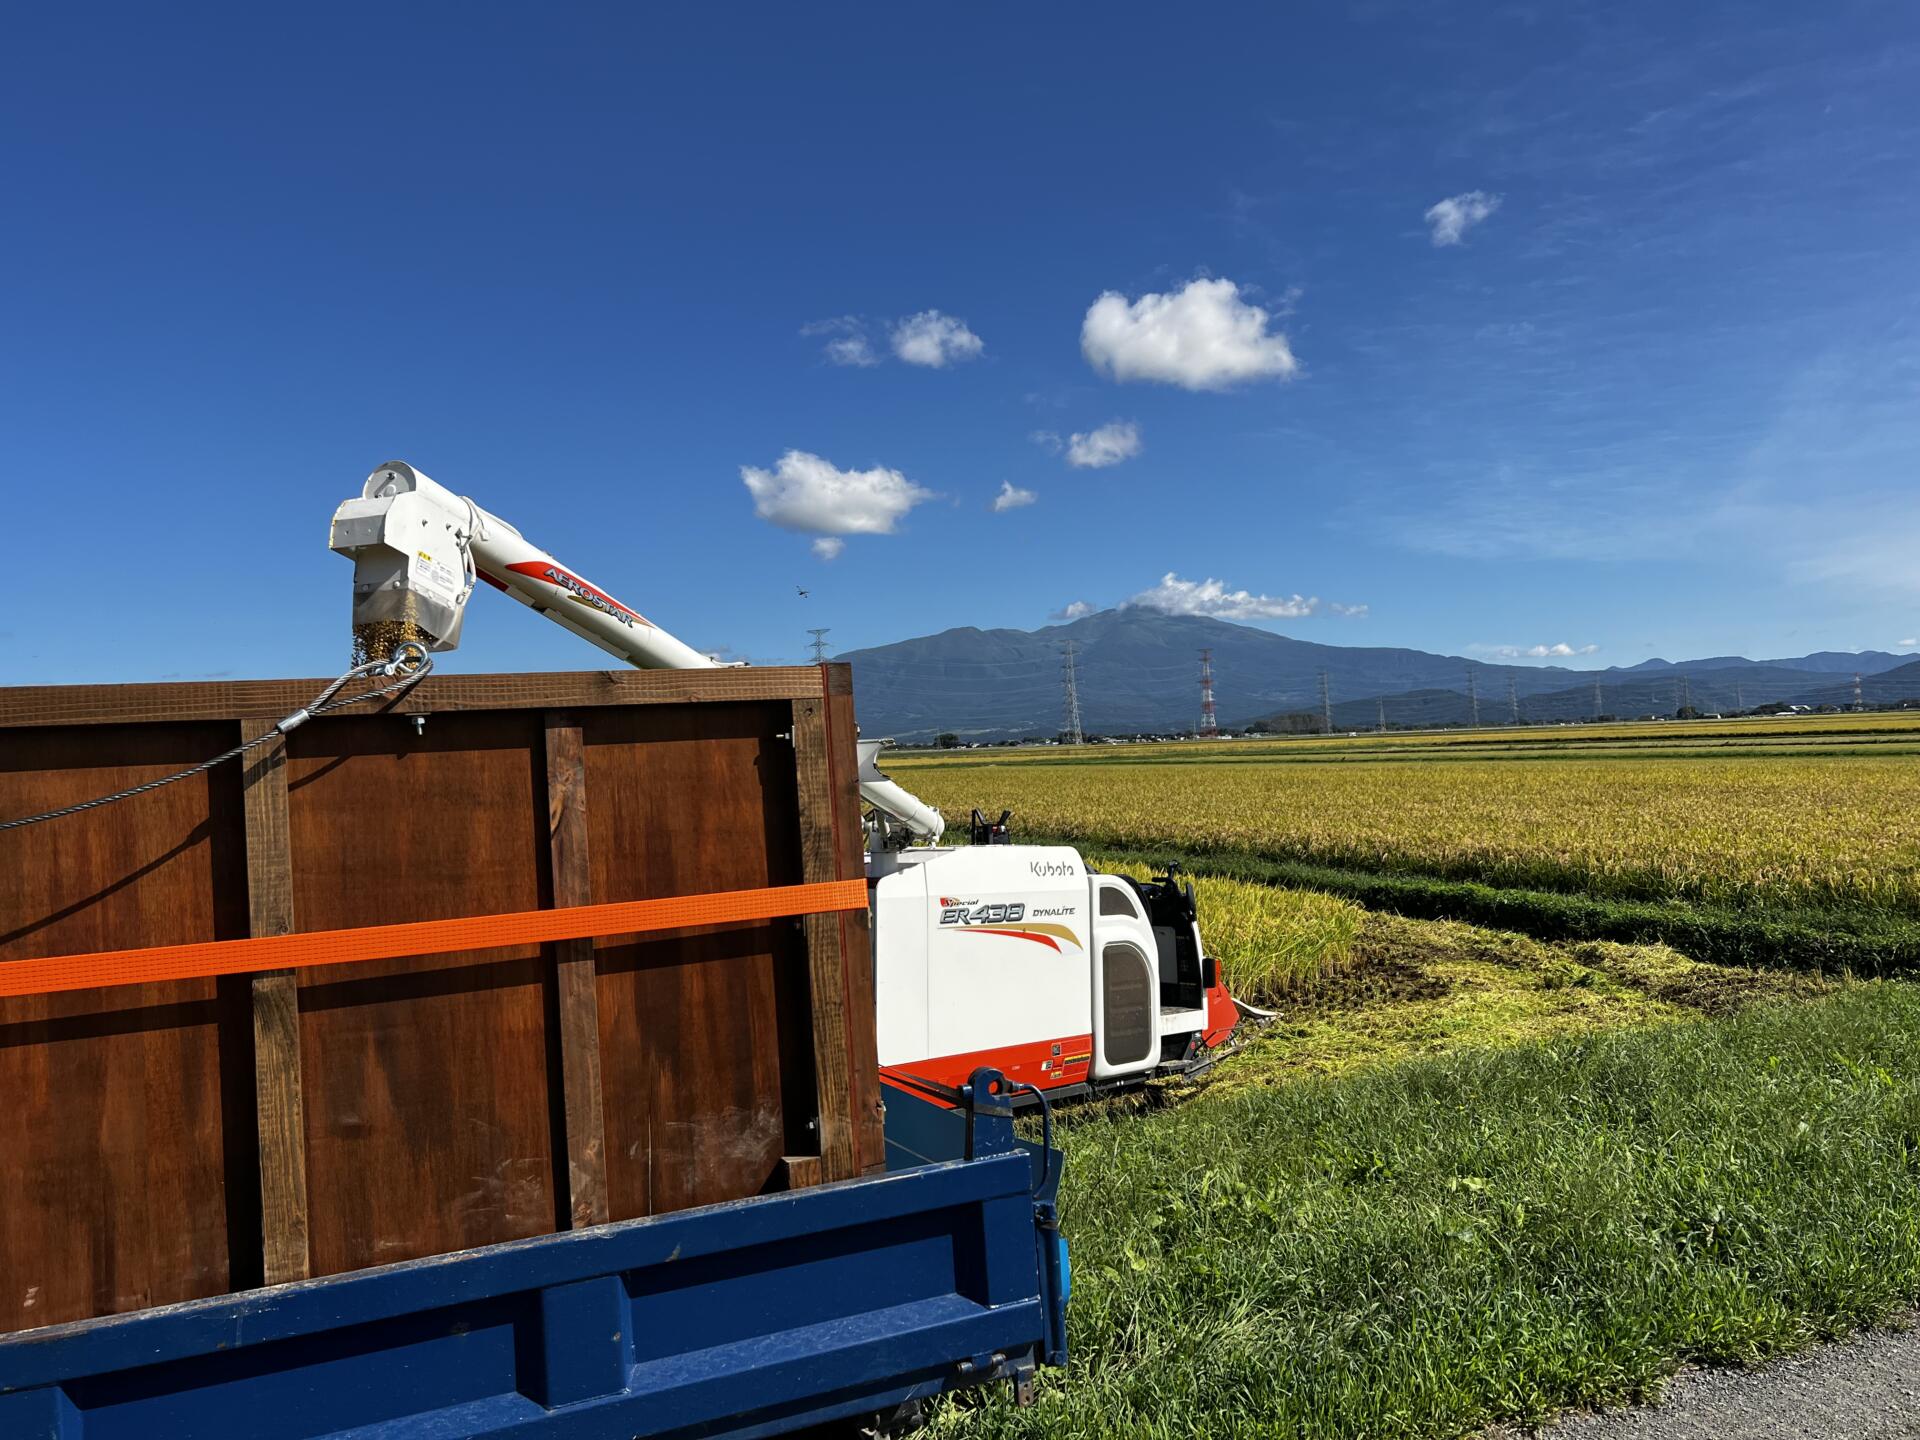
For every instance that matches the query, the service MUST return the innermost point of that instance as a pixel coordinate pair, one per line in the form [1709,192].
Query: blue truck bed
[745,1319]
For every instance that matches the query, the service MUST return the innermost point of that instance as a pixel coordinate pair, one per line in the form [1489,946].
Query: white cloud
[1048,440]
[1352,612]
[805,493]
[935,340]
[852,350]
[1910,645]
[1558,651]
[1012,497]
[1204,337]
[1073,610]
[849,344]
[1111,443]
[828,547]
[1174,596]
[1453,217]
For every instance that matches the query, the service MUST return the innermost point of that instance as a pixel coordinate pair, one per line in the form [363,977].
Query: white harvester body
[1019,957]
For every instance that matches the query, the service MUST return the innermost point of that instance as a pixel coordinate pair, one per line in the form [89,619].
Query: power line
[819,642]
[1072,728]
[1209,726]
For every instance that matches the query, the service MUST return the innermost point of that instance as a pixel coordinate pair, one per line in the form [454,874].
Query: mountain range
[1138,670]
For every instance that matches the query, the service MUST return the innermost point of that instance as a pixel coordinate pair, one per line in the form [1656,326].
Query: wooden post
[577,999]
[276,1016]
[826,964]
[856,936]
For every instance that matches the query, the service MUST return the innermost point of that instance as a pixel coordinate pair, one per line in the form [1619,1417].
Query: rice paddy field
[1739,828]
[1595,1056]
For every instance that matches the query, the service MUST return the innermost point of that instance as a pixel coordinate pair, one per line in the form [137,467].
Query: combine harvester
[1003,974]
[1018,957]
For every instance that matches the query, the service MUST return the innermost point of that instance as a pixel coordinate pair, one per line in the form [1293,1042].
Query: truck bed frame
[743,1319]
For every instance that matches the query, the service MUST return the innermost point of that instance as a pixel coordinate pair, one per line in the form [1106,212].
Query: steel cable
[322,704]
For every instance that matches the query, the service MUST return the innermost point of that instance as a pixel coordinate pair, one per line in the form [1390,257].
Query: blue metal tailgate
[734,1320]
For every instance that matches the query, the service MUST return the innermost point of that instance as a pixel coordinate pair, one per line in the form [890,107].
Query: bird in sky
[804,592]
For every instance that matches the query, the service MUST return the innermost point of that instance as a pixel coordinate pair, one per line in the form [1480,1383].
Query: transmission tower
[1072,726]
[1383,714]
[819,643]
[1597,710]
[1513,700]
[1683,693]
[1739,696]
[1858,703]
[1473,700]
[1326,706]
[1209,726]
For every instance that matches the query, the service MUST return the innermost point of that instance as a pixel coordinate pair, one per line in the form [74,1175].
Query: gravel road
[1866,1388]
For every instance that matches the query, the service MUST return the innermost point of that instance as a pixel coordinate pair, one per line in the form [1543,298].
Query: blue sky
[1500,328]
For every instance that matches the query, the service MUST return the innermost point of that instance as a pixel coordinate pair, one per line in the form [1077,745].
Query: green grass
[1420,1247]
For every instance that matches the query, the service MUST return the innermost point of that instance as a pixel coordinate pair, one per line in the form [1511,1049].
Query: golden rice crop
[1890,726]
[1755,832]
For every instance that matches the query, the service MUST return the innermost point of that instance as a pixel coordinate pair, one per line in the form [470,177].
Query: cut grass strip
[1419,1249]
[1425,987]
[1860,941]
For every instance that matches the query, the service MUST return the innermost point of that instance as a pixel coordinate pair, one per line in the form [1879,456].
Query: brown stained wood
[703,1033]
[276,1018]
[426,1089]
[797,1172]
[576,998]
[272,699]
[863,1049]
[826,957]
[113,1103]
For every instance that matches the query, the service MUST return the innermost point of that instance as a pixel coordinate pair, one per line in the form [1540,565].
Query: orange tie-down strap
[421,937]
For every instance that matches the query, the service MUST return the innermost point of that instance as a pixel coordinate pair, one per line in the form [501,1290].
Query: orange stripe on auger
[56,973]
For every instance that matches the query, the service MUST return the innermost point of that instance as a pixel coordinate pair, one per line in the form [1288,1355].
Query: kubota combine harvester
[1018,957]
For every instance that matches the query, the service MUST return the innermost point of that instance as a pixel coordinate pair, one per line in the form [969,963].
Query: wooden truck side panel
[188,1139]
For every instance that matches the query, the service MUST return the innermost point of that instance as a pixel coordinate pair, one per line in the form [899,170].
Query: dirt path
[1866,1388]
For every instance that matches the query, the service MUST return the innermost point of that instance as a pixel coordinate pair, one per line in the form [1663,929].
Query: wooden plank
[576,997]
[704,1034]
[427,1094]
[826,955]
[856,942]
[115,1105]
[276,1016]
[797,1172]
[24,705]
